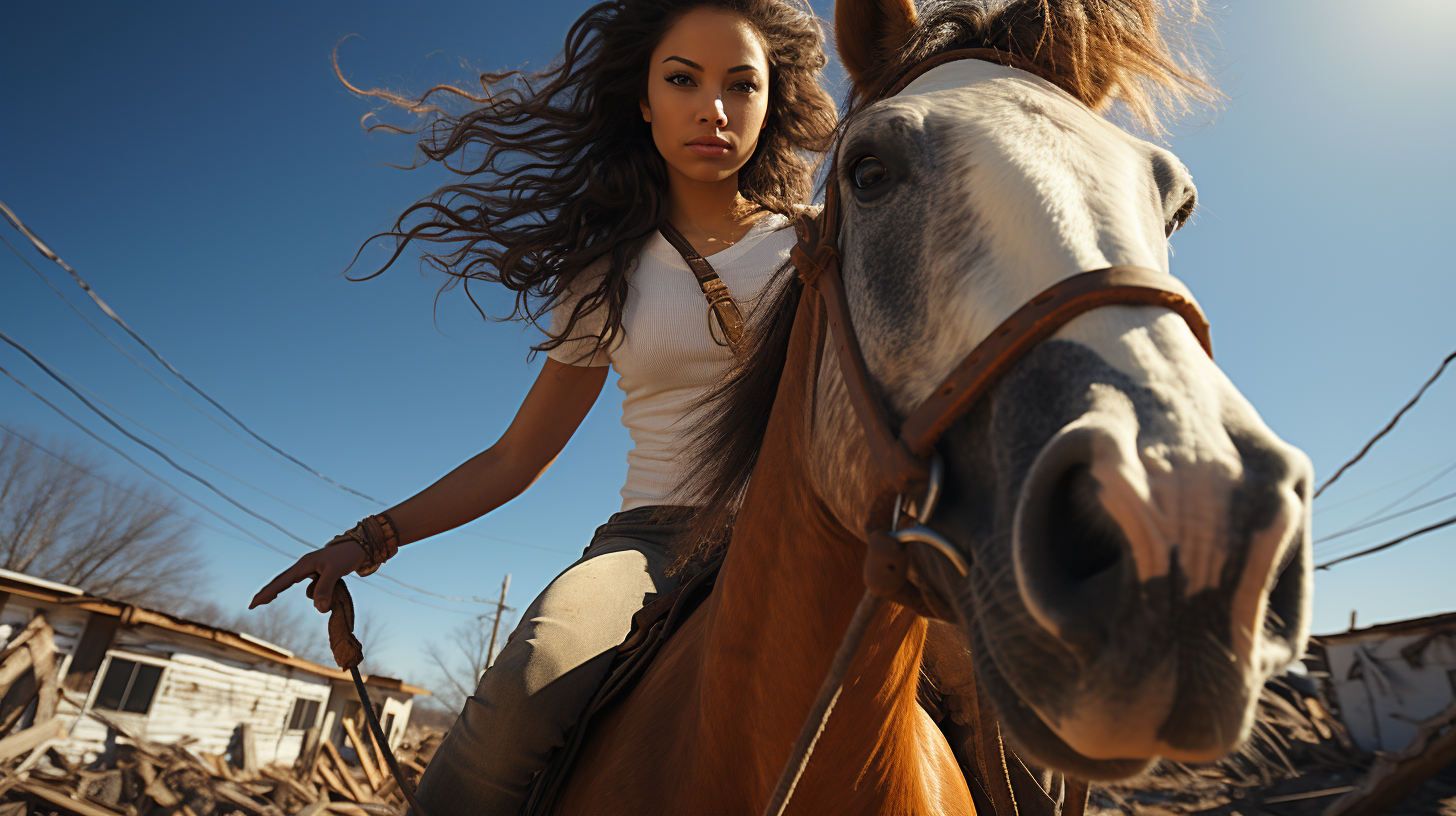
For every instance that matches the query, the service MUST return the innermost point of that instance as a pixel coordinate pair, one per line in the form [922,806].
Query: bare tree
[118,539]
[459,660]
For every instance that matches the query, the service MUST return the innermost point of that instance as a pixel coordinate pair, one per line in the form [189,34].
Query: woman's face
[707,94]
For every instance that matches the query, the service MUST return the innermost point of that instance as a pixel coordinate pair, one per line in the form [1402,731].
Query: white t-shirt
[664,357]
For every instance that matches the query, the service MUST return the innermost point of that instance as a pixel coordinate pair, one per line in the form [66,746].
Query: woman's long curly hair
[559,169]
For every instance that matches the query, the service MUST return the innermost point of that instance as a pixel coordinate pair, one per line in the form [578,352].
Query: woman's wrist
[377,536]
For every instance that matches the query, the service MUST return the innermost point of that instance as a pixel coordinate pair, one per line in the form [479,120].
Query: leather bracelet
[376,536]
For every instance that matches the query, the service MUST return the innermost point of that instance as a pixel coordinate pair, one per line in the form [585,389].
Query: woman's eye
[681,80]
[868,172]
[744,87]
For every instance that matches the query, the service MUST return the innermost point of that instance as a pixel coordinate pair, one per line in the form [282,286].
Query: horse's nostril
[1082,539]
[1285,615]
[1074,559]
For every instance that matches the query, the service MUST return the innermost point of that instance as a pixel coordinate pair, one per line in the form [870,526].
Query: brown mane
[733,416]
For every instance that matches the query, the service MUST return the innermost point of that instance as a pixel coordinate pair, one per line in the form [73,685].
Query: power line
[1389,426]
[69,463]
[240,480]
[214,420]
[1388,485]
[1365,525]
[133,437]
[139,465]
[1387,545]
[128,355]
[50,255]
[1398,502]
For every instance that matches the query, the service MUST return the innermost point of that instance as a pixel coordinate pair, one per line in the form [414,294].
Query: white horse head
[1139,538]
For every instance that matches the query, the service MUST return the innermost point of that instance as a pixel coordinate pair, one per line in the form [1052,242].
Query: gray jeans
[549,669]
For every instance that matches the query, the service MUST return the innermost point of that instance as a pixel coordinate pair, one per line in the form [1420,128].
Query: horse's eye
[868,172]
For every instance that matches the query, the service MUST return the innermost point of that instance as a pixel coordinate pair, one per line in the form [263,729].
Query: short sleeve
[580,348]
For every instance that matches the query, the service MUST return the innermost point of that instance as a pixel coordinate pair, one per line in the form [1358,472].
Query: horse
[1137,539]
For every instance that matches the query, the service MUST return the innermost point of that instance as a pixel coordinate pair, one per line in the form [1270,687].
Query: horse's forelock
[1096,50]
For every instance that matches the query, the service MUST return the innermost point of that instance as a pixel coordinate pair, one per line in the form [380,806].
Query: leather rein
[905,459]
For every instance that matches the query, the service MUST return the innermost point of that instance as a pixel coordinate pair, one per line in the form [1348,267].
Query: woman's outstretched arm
[552,411]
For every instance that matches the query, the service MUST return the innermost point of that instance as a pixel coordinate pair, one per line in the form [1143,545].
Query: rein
[905,459]
[349,653]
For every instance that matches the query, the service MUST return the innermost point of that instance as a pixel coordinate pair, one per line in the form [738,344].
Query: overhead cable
[1389,426]
[164,457]
[1368,524]
[43,449]
[140,466]
[138,363]
[52,256]
[1387,545]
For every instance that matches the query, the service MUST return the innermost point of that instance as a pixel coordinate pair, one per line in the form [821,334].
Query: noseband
[905,459]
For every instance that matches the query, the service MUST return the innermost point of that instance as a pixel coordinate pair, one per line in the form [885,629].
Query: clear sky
[199,164]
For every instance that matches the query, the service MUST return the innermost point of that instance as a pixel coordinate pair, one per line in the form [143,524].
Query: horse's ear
[868,32]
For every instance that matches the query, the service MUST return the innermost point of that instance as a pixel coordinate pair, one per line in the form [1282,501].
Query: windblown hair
[1094,49]
[560,169]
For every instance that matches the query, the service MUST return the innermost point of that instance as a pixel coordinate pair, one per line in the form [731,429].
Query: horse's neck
[787,591]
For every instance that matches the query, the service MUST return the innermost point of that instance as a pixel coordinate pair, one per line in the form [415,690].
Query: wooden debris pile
[1300,761]
[137,777]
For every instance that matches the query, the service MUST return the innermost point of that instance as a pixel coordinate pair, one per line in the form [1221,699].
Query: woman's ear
[646,109]
[868,32]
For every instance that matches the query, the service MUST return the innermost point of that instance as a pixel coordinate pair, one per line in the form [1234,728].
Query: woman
[682,118]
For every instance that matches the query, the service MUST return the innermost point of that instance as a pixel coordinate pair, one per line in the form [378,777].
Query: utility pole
[500,609]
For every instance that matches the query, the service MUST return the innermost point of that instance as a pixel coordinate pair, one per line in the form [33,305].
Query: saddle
[1001,783]
[652,625]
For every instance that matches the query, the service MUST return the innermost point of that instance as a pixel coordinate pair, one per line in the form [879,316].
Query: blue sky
[200,165]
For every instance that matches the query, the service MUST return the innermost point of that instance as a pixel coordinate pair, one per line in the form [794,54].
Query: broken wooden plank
[314,809]
[297,787]
[59,798]
[378,754]
[29,739]
[365,760]
[332,780]
[348,778]
[249,739]
[1392,776]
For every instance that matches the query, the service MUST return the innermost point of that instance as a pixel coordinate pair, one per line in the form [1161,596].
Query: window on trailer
[128,686]
[304,714]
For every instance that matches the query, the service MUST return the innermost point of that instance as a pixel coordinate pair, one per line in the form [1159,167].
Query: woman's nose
[719,118]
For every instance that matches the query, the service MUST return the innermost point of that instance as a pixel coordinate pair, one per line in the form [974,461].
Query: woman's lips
[710,147]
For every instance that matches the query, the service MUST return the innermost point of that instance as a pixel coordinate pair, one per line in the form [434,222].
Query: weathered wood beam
[366,761]
[1394,775]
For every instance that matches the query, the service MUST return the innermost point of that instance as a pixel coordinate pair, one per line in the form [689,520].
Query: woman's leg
[544,678]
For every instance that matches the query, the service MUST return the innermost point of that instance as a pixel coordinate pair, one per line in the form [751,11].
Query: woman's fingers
[322,590]
[305,567]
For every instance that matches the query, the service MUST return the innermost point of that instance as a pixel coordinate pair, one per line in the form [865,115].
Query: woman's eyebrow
[734,70]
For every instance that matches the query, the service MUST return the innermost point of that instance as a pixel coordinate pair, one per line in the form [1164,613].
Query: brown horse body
[710,727]
[1137,538]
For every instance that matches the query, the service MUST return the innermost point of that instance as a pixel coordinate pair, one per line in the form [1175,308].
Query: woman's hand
[329,564]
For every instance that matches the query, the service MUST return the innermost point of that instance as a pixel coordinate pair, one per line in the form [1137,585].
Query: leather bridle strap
[1039,319]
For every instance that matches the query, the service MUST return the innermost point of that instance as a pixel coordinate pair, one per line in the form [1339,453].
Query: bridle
[906,462]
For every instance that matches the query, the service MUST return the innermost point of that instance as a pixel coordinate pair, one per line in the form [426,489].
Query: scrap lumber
[366,760]
[58,797]
[1394,775]
[28,740]
[379,761]
[358,793]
